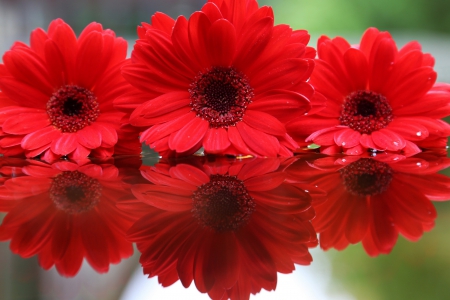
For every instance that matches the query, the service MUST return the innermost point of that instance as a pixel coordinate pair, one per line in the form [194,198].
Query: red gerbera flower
[226,80]
[230,227]
[378,98]
[64,213]
[373,200]
[60,93]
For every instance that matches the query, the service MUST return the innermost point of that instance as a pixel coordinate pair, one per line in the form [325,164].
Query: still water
[308,227]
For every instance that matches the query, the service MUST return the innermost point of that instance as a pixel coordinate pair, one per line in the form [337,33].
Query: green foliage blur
[330,16]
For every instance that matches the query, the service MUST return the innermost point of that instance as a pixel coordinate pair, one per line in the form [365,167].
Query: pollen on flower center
[366,177]
[223,204]
[221,96]
[74,192]
[366,111]
[72,108]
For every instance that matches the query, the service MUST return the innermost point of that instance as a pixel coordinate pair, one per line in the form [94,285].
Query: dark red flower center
[366,177]
[221,96]
[74,192]
[366,111]
[72,108]
[223,204]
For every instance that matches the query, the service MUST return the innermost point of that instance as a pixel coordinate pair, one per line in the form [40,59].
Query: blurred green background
[414,270]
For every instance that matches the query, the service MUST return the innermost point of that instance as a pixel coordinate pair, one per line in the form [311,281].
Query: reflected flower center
[366,177]
[72,108]
[366,111]
[74,192]
[221,96]
[223,204]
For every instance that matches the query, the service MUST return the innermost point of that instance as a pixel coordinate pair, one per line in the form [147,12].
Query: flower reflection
[66,212]
[229,226]
[373,200]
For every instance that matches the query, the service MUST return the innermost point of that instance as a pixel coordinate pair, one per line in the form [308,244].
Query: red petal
[152,80]
[163,22]
[181,44]
[288,74]
[66,40]
[357,68]
[409,130]
[435,104]
[282,104]
[89,59]
[347,138]
[80,152]
[160,106]
[160,131]
[264,122]
[412,88]
[366,141]
[381,60]
[40,138]
[307,125]
[189,135]
[23,94]
[25,66]
[388,140]
[324,136]
[199,26]
[65,144]
[25,123]
[55,64]
[107,132]
[260,142]
[324,80]
[221,43]
[252,43]
[237,141]
[89,137]
[216,140]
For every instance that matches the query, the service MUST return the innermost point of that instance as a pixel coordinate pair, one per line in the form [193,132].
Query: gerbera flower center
[366,177]
[221,96]
[366,111]
[72,108]
[223,204]
[74,192]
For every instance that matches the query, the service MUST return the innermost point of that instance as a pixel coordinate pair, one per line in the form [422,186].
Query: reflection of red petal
[357,221]
[223,260]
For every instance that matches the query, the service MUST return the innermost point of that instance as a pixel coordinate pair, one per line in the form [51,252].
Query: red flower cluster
[57,94]
[225,81]
[227,226]
[377,97]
